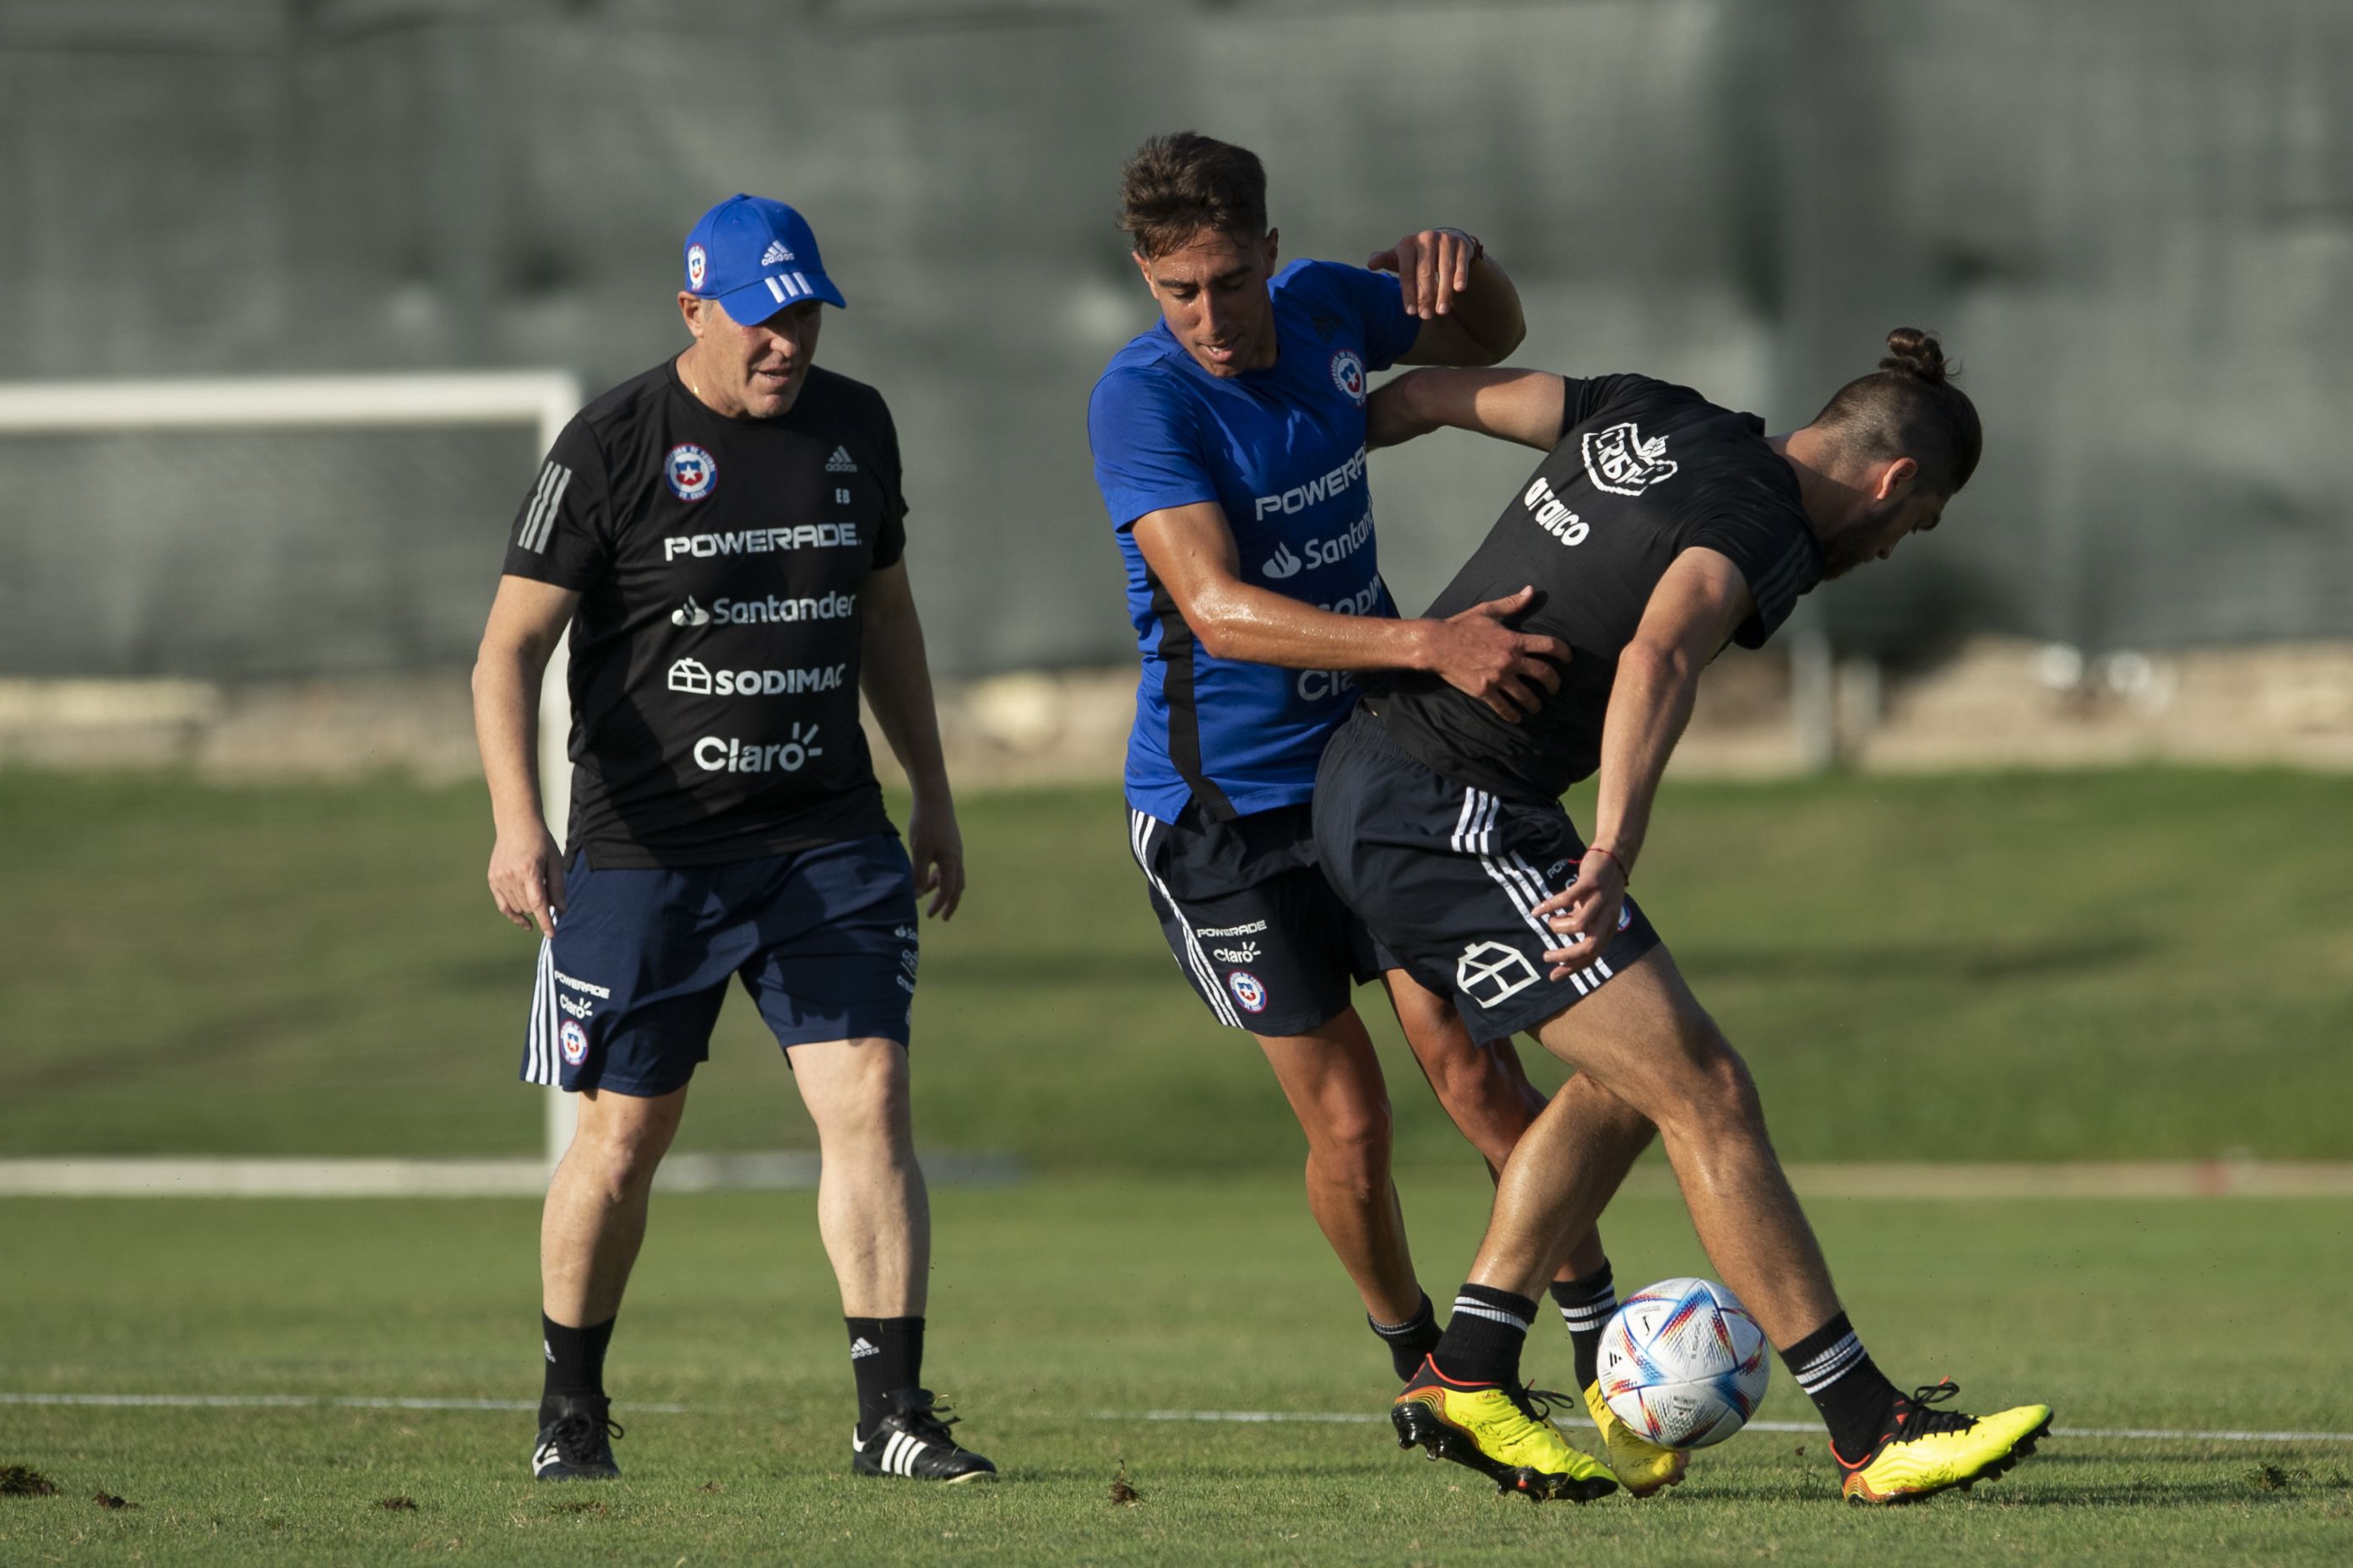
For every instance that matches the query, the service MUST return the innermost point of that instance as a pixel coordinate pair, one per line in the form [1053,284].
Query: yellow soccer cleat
[1640,1466]
[1505,1432]
[1928,1451]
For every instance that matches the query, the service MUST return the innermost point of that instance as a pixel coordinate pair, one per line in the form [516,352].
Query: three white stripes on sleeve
[545,502]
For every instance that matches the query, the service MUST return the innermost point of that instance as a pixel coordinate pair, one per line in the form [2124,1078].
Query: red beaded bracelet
[1623,874]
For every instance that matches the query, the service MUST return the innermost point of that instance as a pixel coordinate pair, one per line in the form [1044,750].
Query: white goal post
[542,400]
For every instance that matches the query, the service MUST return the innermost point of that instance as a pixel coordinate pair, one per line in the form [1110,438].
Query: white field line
[105,1177]
[285,1402]
[1241,1417]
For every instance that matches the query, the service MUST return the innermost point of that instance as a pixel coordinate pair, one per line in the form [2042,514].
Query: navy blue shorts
[1449,877]
[628,987]
[1251,923]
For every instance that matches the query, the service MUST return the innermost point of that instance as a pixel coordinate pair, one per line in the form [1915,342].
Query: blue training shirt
[1282,451]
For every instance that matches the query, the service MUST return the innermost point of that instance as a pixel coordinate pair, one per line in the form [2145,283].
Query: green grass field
[2146,963]
[2097,965]
[1065,1309]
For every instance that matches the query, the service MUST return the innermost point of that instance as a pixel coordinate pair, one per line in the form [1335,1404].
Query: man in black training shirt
[1658,528]
[722,536]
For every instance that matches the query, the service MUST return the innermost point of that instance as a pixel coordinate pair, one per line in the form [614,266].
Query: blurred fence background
[2133,221]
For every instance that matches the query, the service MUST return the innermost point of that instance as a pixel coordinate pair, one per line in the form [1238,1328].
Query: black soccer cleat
[911,1441]
[576,1443]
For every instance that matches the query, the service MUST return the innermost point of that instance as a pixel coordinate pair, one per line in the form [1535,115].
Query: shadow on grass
[1915,961]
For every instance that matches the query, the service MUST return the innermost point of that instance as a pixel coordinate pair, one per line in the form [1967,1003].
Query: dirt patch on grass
[15,1480]
[110,1503]
[397,1504]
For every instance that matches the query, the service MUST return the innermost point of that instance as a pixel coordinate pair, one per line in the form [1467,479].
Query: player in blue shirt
[1228,444]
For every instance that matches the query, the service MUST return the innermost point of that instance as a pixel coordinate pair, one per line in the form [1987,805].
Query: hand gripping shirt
[714,655]
[1642,472]
[1282,451]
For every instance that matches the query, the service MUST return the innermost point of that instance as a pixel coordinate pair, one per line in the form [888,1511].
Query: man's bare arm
[1190,549]
[527,620]
[1691,613]
[896,675]
[1523,405]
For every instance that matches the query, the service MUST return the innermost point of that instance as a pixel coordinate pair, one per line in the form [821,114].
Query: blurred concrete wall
[2133,220]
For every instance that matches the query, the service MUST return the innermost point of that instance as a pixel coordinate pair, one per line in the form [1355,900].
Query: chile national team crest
[697,262]
[690,472]
[575,1040]
[1348,375]
[1247,990]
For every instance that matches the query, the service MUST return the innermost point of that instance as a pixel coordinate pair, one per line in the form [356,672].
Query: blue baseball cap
[756,258]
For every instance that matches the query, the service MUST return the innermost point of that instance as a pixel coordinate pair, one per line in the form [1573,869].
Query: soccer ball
[1683,1364]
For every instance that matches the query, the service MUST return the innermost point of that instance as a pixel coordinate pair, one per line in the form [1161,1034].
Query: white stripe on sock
[1496,1314]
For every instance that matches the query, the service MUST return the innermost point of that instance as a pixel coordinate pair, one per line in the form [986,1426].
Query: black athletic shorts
[1251,921]
[1448,877]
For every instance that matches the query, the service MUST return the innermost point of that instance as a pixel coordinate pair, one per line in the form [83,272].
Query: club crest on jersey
[690,472]
[1348,375]
[575,1041]
[1618,461]
[1247,990]
[697,262]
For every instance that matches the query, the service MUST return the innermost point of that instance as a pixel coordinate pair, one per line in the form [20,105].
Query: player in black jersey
[1658,528]
[722,536]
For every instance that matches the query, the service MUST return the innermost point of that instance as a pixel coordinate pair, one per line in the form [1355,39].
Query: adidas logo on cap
[841,462]
[775,253]
[862,1348]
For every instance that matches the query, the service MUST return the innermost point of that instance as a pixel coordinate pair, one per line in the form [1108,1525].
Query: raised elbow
[1654,663]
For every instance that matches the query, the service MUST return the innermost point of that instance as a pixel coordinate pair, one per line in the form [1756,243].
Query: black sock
[1483,1336]
[1411,1340]
[1587,1306]
[1857,1401]
[886,1354]
[576,1361]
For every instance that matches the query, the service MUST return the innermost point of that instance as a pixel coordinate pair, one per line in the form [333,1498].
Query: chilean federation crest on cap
[690,472]
[697,262]
[1348,375]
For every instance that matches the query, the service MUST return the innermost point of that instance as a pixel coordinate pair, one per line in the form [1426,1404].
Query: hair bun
[1912,351]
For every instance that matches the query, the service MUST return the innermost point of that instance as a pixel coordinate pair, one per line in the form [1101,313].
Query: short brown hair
[1179,184]
[1909,407]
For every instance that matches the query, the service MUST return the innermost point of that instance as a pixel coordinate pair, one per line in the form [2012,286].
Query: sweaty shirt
[1282,451]
[716,652]
[1642,472]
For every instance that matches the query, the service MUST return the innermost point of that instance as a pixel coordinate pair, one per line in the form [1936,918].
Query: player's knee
[624,1154]
[1606,1113]
[1712,1092]
[1352,1148]
[1724,1092]
[869,1105]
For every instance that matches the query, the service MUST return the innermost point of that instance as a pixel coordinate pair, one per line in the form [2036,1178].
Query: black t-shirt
[1642,472]
[714,652]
